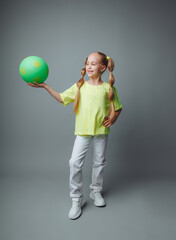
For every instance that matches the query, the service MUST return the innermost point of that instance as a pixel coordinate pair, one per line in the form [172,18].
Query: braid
[79,85]
[111,83]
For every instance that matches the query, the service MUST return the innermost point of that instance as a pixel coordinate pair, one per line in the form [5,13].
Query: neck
[95,81]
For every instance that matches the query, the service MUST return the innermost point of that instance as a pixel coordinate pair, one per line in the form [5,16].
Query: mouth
[89,71]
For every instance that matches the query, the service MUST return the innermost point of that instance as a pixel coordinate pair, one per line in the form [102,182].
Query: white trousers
[76,162]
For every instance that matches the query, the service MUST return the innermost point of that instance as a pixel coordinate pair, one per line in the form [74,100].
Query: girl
[96,106]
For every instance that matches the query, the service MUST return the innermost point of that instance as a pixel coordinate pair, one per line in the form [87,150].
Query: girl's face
[94,68]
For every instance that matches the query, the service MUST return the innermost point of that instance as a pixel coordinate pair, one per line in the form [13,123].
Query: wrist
[113,120]
[45,86]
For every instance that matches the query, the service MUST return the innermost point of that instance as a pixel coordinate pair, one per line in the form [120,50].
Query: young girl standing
[96,106]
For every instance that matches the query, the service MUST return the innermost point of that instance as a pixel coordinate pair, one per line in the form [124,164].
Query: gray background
[37,133]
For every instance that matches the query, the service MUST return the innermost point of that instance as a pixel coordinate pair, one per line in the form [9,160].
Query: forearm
[53,93]
[116,115]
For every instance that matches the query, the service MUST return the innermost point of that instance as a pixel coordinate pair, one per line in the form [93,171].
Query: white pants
[76,162]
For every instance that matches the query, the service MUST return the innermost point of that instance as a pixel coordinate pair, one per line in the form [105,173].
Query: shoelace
[98,195]
[76,203]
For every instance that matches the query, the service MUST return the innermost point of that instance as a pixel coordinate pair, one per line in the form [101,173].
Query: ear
[103,68]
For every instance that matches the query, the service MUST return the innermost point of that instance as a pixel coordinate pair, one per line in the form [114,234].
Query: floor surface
[36,208]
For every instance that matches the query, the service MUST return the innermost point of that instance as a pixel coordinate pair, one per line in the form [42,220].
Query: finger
[108,125]
[32,85]
[105,125]
[105,122]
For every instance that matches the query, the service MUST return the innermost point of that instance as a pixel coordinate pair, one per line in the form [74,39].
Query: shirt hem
[91,134]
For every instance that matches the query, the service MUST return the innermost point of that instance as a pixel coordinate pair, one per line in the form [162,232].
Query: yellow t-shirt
[94,106]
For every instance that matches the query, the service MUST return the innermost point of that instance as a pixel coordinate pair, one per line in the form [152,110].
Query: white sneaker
[98,199]
[75,210]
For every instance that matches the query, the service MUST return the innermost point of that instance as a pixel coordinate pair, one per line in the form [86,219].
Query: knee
[71,163]
[74,164]
[100,163]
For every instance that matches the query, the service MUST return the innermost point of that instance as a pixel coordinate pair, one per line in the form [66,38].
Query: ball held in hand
[33,69]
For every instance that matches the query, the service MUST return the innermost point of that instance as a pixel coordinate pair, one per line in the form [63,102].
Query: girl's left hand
[107,123]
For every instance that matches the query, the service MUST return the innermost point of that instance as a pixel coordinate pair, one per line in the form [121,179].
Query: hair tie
[108,57]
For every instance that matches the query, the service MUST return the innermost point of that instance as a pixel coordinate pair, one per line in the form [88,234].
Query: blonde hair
[109,63]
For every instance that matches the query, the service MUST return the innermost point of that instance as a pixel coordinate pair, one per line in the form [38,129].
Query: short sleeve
[117,103]
[68,96]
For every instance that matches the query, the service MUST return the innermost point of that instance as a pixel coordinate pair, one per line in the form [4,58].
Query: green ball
[33,69]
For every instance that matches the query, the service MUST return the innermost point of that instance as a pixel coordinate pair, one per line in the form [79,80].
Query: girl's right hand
[37,85]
